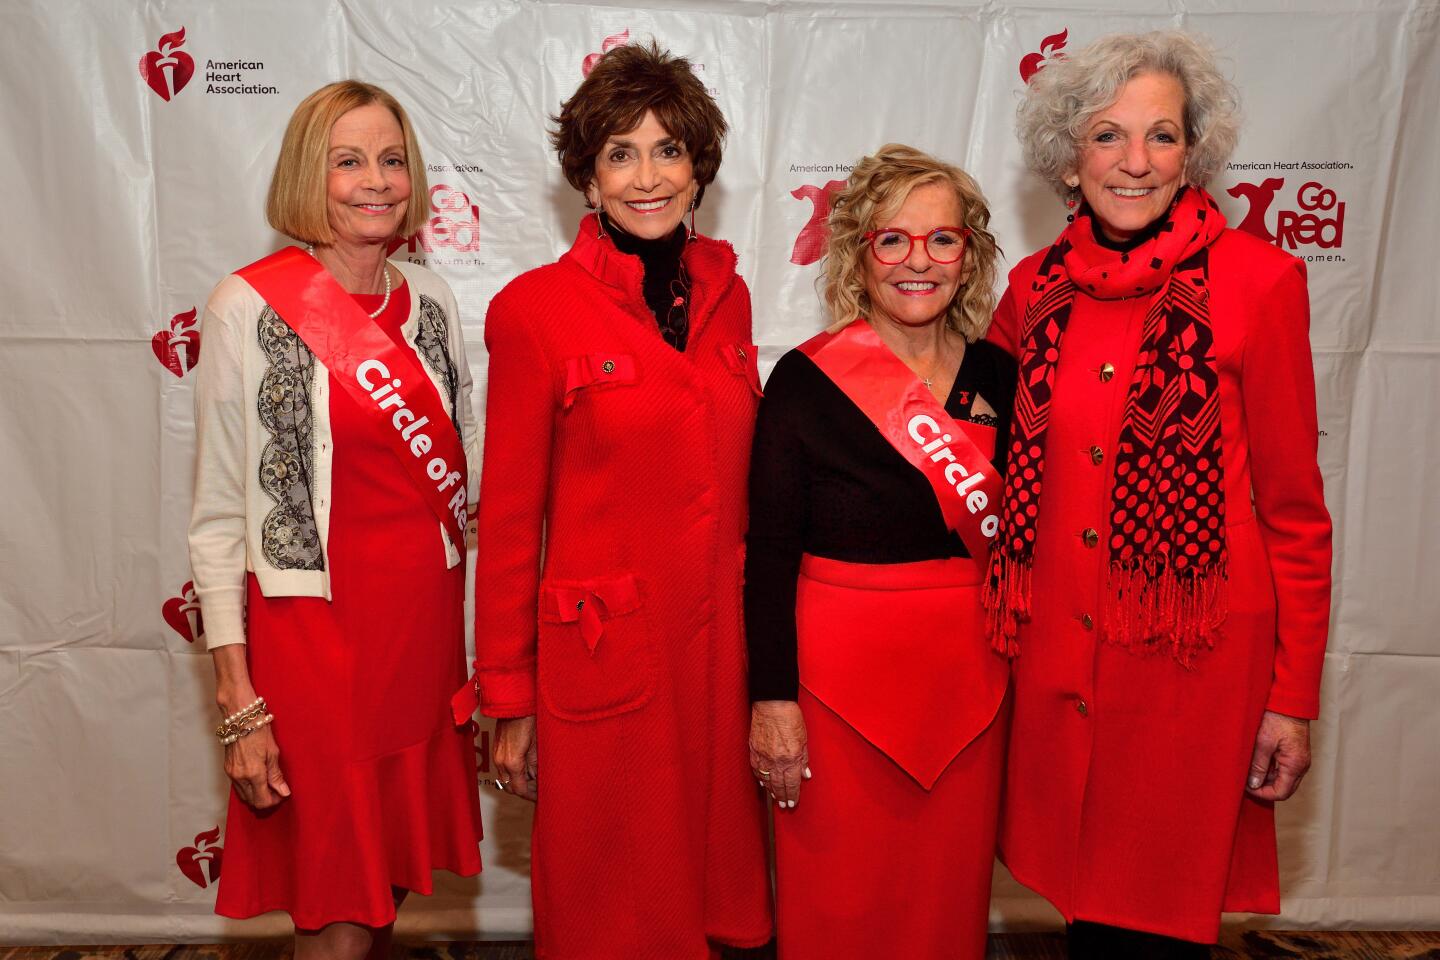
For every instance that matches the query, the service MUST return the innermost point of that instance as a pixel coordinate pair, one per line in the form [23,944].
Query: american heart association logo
[810,242]
[1050,49]
[610,43]
[201,863]
[182,613]
[168,69]
[178,348]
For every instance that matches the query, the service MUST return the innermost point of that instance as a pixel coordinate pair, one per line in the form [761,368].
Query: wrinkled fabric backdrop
[138,140]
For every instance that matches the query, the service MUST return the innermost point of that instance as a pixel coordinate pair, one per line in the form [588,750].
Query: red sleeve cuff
[496,693]
[1291,704]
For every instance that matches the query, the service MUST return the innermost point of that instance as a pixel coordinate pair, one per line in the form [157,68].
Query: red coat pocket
[596,370]
[596,657]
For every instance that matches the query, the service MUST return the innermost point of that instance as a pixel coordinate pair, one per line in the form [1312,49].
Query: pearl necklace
[310,249]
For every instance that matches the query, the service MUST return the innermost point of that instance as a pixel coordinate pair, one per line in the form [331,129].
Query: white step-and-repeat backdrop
[137,143]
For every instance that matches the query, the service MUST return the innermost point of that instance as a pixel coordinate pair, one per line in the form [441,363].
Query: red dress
[1125,797]
[384,784]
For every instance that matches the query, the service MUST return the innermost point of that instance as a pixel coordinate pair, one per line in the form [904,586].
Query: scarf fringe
[1160,611]
[1007,602]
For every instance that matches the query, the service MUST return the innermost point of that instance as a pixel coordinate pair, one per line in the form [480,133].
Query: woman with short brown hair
[333,401]
[622,392]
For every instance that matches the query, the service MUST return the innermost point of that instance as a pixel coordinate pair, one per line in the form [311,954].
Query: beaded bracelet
[236,720]
[242,732]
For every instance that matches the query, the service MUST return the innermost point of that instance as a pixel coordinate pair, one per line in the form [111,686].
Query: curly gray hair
[1061,99]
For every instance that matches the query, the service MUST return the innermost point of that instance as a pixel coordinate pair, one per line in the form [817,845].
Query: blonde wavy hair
[1061,99]
[875,192]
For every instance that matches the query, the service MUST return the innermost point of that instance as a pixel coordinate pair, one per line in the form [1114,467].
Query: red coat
[627,460]
[1126,795]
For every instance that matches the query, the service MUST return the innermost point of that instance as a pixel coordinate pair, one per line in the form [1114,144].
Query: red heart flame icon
[167,69]
[611,42]
[201,863]
[1050,49]
[182,613]
[178,349]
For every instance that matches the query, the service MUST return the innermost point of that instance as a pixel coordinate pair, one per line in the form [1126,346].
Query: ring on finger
[764,774]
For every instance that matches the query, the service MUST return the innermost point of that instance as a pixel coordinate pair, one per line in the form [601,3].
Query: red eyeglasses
[943,244]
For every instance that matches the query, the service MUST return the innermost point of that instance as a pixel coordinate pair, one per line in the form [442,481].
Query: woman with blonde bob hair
[872,493]
[333,437]
[1168,585]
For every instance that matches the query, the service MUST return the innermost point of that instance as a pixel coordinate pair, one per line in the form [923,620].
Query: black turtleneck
[664,282]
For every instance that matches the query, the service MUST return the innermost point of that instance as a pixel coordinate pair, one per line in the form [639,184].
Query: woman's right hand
[778,754]
[517,762]
[253,764]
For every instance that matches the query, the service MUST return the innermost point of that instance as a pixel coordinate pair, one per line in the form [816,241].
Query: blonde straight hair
[296,204]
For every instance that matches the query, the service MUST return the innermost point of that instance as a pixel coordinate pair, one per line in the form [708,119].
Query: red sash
[387,382]
[965,482]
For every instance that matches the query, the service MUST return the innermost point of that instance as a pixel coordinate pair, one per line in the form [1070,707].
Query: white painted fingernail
[790,804]
[807,773]
[1254,783]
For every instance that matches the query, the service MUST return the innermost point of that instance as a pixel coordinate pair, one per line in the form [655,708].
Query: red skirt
[891,848]
[384,785]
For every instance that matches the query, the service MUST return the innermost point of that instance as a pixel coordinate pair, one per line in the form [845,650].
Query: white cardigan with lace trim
[230,503]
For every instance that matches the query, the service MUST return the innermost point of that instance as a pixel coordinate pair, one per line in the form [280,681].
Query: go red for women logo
[608,44]
[168,68]
[182,613]
[810,243]
[1317,217]
[454,225]
[201,863]
[178,348]
[1050,49]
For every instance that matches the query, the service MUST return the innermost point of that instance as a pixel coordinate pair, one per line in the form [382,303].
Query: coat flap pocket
[596,369]
[744,359]
[590,604]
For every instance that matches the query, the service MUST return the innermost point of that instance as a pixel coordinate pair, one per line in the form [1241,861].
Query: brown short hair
[622,86]
[876,190]
[296,202]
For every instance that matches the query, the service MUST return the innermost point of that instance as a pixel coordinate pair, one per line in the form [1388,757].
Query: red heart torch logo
[178,348]
[1050,49]
[168,69]
[201,863]
[182,613]
[810,243]
[610,43]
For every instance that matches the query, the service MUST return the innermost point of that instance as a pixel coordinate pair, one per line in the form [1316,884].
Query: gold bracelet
[238,733]
[236,721]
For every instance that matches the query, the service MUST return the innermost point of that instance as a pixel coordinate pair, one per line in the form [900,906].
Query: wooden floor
[1266,944]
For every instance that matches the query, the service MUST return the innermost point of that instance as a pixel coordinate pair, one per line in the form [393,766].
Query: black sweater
[825,481]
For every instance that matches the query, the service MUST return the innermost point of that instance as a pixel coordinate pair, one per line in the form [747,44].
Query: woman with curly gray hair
[1164,554]
[872,493]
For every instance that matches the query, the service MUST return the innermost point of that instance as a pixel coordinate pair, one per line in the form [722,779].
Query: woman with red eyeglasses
[874,491]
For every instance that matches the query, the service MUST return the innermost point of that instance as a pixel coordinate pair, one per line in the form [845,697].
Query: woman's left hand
[1282,755]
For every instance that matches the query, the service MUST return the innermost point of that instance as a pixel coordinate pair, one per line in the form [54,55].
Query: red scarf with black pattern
[1167,552]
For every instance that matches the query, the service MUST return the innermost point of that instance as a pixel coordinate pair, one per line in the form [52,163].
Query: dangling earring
[1072,200]
[692,221]
[599,215]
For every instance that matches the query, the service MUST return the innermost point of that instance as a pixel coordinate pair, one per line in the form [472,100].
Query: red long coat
[628,460]
[1125,799]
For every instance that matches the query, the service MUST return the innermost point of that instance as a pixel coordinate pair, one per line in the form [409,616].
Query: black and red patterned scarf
[1167,552]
